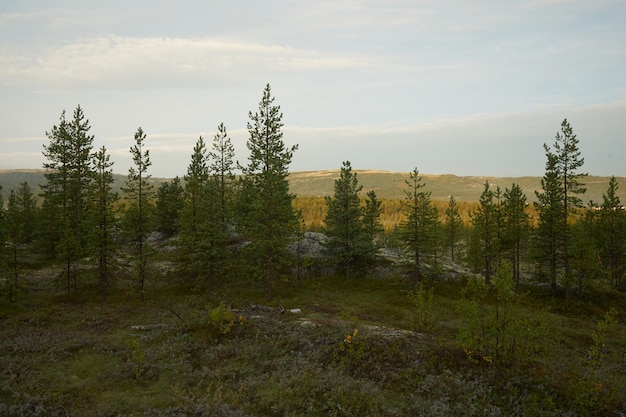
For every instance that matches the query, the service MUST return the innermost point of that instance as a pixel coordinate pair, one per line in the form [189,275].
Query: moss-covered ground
[359,347]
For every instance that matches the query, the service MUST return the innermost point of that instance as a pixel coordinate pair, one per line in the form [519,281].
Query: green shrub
[422,317]
[137,356]
[221,320]
[595,390]
[496,331]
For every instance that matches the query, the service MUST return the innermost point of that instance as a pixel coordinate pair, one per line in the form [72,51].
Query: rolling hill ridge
[386,184]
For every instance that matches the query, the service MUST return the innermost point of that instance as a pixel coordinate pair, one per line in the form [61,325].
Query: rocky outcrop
[311,246]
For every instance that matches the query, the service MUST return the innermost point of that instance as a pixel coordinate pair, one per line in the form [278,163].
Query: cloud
[114,61]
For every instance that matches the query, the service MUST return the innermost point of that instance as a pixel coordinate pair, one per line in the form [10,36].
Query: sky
[444,86]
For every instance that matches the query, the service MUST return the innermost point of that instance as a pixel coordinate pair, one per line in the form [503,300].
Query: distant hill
[12,178]
[391,185]
[388,185]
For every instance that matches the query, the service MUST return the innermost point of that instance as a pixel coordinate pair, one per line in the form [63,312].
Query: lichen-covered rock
[311,245]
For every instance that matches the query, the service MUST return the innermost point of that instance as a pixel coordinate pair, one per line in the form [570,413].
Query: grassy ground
[363,347]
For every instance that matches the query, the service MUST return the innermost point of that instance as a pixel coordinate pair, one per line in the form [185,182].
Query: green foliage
[562,185]
[266,212]
[371,219]
[102,244]
[351,350]
[222,157]
[221,320]
[496,333]
[140,213]
[22,218]
[516,228]
[69,176]
[419,230]
[586,262]
[548,237]
[594,391]
[169,205]
[452,226]
[487,228]
[349,245]
[137,356]
[421,300]
[194,214]
[611,235]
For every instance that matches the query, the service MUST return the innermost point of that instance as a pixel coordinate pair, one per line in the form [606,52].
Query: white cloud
[115,61]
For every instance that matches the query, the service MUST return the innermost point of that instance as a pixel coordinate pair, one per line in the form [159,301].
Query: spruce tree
[69,176]
[452,226]
[564,161]
[419,230]
[347,245]
[193,213]
[104,222]
[17,228]
[611,235]
[371,224]
[219,194]
[270,220]
[27,207]
[584,251]
[516,227]
[169,205]
[486,229]
[569,161]
[222,164]
[139,193]
[548,237]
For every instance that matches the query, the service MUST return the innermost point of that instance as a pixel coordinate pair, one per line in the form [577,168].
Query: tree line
[228,225]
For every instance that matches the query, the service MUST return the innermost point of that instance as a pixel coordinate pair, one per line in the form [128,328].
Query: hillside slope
[388,185]
[391,185]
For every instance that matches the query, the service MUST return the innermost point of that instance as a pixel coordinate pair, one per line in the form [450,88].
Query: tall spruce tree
[69,176]
[569,161]
[486,229]
[516,227]
[346,244]
[56,190]
[270,219]
[547,247]
[27,207]
[565,160]
[17,228]
[612,235]
[104,222]
[193,214]
[169,205]
[419,230]
[222,164]
[219,208]
[586,263]
[452,226]
[371,224]
[139,214]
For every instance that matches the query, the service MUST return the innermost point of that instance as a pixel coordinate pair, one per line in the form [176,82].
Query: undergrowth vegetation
[358,347]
